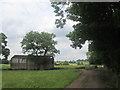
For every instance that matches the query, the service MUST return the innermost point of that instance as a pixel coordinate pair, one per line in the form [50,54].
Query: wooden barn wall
[32,64]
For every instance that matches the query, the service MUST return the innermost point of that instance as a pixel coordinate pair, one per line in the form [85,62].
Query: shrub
[56,63]
[65,63]
[78,63]
[4,61]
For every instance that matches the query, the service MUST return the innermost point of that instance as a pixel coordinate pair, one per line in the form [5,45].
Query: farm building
[31,62]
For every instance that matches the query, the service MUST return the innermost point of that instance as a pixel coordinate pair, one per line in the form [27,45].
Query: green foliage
[65,63]
[38,79]
[73,62]
[97,23]
[94,58]
[60,13]
[4,61]
[56,63]
[111,80]
[61,63]
[3,43]
[78,63]
[36,43]
[6,53]
[90,67]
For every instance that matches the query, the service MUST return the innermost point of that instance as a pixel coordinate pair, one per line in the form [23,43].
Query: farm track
[89,79]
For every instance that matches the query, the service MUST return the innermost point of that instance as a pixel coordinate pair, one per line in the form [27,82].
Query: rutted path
[89,79]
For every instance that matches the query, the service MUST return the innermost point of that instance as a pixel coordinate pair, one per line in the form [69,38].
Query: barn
[31,62]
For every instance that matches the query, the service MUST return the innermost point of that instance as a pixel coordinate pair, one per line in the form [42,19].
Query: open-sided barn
[31,62]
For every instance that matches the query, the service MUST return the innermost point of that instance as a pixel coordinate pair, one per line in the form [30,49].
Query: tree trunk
[45,52]
[6,57]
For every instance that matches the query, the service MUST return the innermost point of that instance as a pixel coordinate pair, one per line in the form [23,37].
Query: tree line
[97,23]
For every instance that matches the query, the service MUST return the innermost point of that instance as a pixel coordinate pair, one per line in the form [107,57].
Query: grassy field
[68,66]
[38,79]
[4,66]
[78,66]
[7,66]
[59,78]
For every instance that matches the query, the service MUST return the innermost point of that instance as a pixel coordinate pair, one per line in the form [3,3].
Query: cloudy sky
[18,17]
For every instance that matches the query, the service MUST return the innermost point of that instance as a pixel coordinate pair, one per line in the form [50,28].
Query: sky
[18,17]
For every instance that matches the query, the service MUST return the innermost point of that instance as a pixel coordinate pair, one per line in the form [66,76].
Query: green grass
[38,79]
[69,66]
[4,66]
[0,79]
[78,66]
[7,66]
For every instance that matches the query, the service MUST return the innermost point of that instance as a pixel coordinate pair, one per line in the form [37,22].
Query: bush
[78,63]
[90,67]
[114,82]
[65,63]
[4,61]
[81,63]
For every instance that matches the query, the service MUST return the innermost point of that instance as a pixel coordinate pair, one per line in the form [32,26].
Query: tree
[65,63]
[4,61]
[4,51]
[36,43]
[94,58]
[97,23]
[78,63]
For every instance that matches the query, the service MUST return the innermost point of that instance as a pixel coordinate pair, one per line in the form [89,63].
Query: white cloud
[19,17]
[23,1]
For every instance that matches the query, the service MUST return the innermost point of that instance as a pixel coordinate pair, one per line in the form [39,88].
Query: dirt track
[89,79]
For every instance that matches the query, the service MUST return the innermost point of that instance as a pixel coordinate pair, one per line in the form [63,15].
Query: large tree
[4,51]
[36,43]
[98,23]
